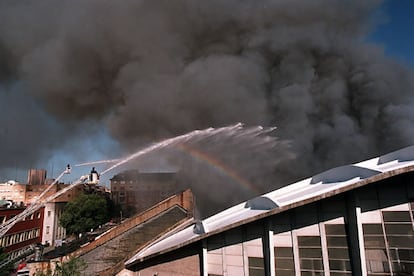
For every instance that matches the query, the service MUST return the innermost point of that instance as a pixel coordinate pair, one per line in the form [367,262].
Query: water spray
[97,162]
[237,131]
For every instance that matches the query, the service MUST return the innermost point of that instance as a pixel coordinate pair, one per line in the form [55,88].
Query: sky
[394,32]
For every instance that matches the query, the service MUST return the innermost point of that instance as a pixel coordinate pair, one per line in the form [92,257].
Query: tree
[86,212]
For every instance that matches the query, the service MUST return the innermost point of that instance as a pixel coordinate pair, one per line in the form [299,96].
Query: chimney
[36,177]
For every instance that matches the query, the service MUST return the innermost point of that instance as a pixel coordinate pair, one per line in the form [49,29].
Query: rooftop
[325,184]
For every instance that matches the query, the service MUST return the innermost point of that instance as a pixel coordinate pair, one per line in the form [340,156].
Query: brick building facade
[24,233]
[136,191]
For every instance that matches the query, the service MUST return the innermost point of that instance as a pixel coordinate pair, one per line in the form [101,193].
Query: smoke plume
[152,69]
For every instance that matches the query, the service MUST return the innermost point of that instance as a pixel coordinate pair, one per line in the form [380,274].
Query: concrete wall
[52,231]
[48,223]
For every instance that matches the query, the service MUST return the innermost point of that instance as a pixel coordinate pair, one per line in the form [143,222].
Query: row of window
[389,248]
[19,237]
[310,251]
[36,215]
[317,239]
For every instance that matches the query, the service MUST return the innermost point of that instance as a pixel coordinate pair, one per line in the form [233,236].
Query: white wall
[52,231]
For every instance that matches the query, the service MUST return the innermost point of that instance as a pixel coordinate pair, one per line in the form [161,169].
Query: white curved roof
[338,179]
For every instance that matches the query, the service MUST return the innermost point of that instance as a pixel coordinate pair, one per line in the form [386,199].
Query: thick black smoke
[151,69]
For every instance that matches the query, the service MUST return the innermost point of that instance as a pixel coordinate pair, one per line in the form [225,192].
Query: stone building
[136,191]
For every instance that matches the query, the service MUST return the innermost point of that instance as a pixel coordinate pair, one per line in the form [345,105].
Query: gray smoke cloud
[153,69]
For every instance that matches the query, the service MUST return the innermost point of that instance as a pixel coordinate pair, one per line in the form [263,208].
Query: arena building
[351,220]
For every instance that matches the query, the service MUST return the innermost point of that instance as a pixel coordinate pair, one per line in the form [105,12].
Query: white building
[351,220]
[53,233]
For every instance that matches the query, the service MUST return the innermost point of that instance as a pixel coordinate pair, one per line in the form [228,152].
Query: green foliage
[73,267]
[86,212]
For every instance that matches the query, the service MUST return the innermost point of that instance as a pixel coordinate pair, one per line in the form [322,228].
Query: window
[284,258]
[396,216]
[375,250]
[47,229]
[13,239]
[49,213]
[21,237]
[284,261]
[310,255]
[256,266]
[339,261]
[399,235]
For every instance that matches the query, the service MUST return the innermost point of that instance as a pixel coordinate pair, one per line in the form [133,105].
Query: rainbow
[217,165]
